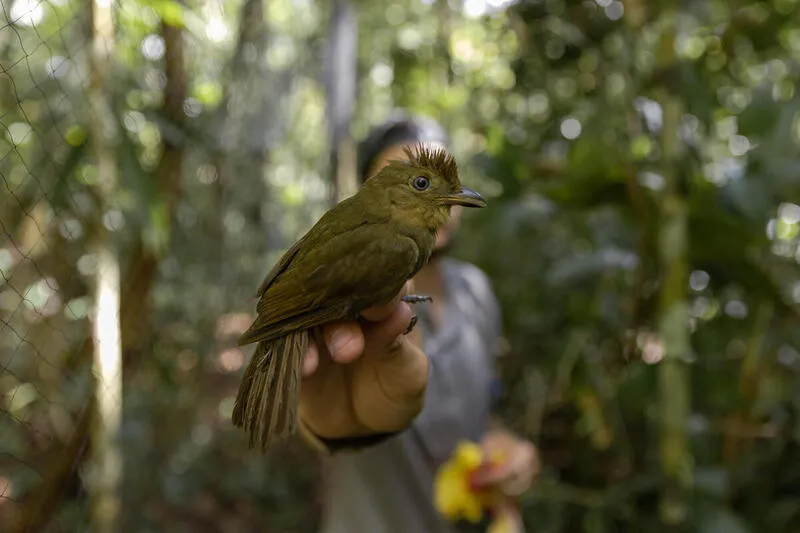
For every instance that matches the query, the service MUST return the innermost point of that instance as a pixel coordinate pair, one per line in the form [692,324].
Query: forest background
[642,168]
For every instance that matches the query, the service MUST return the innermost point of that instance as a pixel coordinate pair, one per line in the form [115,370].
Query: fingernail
[339,339]
[411,324]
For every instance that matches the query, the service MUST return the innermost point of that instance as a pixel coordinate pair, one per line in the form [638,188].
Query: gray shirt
[388,488]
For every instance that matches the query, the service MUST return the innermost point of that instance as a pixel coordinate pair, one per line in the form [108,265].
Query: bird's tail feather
[266,405]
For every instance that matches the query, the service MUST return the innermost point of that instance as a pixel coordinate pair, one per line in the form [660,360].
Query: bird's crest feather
[437,159]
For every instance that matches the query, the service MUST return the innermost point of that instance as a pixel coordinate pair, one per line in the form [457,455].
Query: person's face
[395,151]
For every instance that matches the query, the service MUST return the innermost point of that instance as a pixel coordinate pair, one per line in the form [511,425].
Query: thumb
[389,389]
[381,337]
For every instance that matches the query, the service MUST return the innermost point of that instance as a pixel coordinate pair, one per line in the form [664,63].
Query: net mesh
[181,137]
[46,268]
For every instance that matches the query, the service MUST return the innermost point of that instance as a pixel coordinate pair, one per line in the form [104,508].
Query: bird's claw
[411,325]
[416,299]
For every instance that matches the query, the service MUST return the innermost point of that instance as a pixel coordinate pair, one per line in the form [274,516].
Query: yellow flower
[504,521]
[455,497]
[453,494]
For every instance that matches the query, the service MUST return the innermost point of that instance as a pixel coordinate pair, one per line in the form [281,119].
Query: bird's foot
[416,299]
[411,325]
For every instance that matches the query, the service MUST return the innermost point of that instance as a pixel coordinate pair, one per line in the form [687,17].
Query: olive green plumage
[358,255]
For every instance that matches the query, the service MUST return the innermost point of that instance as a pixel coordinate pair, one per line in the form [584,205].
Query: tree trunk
[341,79]
[104,473]
[673,319]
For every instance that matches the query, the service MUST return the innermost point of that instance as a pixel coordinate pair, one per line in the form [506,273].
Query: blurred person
[365,383]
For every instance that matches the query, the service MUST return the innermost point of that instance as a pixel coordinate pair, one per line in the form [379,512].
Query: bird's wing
[279,267]
[337,220]
[342,275]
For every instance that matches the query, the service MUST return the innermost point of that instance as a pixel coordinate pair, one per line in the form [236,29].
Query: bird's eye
[421,183]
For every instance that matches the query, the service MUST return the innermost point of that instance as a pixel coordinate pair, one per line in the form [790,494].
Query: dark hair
[401,127]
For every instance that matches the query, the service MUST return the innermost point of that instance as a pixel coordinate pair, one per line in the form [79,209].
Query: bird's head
[423,187]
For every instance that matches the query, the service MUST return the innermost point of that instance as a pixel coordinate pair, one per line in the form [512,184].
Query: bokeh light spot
[570,128]
[27,12]
[699,279]
[231,360]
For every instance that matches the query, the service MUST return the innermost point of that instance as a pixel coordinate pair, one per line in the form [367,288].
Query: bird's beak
[465,197]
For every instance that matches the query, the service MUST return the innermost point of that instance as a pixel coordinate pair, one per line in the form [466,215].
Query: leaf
[207,93]
[75,135]
[157,232]
[578,268]
[170,11]
[713,480]
[714,518]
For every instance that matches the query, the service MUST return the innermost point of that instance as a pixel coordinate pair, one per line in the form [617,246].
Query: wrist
[331,446]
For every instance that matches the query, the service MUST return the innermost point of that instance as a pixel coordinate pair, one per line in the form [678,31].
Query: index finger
[492,475]
[384,311]
[311,360]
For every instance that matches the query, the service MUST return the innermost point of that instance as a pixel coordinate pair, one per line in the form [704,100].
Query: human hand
[516,472]
[364,377]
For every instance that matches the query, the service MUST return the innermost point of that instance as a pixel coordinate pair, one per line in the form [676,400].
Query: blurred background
[642,166]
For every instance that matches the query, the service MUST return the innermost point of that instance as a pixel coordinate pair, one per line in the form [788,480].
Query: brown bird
[359,254]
